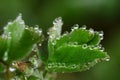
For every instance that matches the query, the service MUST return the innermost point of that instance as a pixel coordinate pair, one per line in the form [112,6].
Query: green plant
[25,55]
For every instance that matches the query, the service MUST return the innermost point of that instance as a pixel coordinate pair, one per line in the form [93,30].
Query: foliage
[73,51]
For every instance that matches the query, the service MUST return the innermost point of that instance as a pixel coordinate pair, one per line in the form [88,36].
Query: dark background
[97,14]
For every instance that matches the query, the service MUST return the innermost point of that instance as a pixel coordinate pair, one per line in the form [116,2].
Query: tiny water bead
[58,38]
[102,49]
[84,46]
[53,43]
[83,27]
[58,21]
[75,43]
[26,28]
[39,44]
[12,69]
[36,27]
[10,23]
[101,33]
[91,47]
[38,30]
[91,31]
[76,26]
[107,59]
[4,28]
[19,19]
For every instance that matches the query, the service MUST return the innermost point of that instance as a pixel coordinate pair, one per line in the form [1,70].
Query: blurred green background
[97,14]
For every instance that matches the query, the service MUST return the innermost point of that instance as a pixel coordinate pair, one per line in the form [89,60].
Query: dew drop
[91,47]
[58,38]
[102,48]
[39,44]
[101,37]
[84,27]
[76,26]
[12,69]
[48,32]
[107,59]
[9,23]
[72,29]
[4,28]
[19,19]
[26,27]
[49,65]
[36,28]
[75,43]
[88,63]
[58,21]
[34,50]
[101,33]
[91,30]
[73,66]
[66,33]
[50,37]
[40,31]
[84,46]
[19,16]
[99,46]
[53,43]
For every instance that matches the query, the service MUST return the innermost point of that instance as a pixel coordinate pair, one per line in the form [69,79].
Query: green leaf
[14,30]
[21,39]
[64,39]
[3,45]
[75,51]
[28,39]
[73,58]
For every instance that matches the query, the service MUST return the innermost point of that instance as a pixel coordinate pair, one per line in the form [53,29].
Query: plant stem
[7,69]
[7,72]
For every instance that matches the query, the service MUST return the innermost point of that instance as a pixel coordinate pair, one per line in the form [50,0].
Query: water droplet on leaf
[12,69]
[83,27]
[39,44]
[58,21]
[107,59]
[101,33]
[91,30]
[9,23]
[84,46]
[76,26]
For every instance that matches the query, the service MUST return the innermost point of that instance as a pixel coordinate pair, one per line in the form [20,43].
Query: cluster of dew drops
[57,24]
[37,30]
